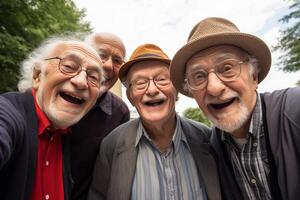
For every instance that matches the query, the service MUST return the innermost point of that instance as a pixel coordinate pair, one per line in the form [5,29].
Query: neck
[162,132]
[241,132]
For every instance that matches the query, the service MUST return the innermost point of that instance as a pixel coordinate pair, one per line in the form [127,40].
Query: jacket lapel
[228,183]
[207,169]
[125,164]
[205,162]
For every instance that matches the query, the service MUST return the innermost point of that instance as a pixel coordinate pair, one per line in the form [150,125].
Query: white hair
[36,59]
[253,69]
[90,39]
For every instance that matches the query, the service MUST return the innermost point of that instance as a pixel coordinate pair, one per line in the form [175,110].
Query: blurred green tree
[197,115]
[289,40]
[25,23]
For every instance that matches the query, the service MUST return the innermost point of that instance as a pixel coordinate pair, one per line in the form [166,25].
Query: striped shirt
[249,161]
[171,175]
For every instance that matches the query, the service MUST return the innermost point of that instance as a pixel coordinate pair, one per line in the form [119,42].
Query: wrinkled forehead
[76,49]
[147,69]
[218,52]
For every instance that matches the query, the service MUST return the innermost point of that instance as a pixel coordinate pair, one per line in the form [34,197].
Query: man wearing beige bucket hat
[160,155]
[256,136]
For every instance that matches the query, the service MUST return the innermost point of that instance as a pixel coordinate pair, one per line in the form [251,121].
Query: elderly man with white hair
[60,83]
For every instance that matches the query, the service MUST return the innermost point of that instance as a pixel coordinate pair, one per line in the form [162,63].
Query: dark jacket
[115,165]
[18,147]
[281,118]
[108,113]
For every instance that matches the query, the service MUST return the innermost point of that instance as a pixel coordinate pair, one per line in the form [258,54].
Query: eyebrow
[79,60]
[109,52]
[74,57]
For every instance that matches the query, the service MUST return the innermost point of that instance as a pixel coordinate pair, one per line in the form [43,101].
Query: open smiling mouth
[219,106]
[71,99]
[154,103]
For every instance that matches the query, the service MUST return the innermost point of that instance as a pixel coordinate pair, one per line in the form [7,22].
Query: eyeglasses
[227,70]
[116,60]
[142,84]
[72,68]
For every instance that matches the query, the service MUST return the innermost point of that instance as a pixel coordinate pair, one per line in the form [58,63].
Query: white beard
[231,126]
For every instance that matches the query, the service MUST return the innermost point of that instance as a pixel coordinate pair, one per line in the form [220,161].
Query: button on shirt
[171,175]
[48,183]
[249,160]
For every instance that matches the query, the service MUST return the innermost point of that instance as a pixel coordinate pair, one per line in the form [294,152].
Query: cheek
[198,96]
[94,96]
[200,99]
[133,99]
[116,70]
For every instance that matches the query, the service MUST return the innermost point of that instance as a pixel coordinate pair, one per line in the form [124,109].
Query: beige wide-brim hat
[218,31]
[143,53]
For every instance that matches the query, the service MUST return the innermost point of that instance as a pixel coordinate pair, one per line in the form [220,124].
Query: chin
[152,118]
[63,120]
[64,123]
[229,123]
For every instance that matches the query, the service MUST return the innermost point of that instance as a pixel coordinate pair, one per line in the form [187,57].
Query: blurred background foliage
[197,115]
[289,40]
[25,23]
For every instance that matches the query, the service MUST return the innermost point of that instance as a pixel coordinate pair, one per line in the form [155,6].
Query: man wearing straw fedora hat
[256,136]
[160,155]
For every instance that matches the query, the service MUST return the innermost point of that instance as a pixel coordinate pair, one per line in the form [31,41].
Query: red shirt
[48,183]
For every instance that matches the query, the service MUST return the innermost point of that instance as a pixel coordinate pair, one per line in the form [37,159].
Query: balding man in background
[108,113]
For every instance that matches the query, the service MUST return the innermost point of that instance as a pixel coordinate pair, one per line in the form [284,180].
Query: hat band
[150,55]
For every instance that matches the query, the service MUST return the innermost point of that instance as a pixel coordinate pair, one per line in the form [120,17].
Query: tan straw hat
[218,31]
[142,53]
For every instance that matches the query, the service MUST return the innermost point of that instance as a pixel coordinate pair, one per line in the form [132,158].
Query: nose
[152,89]
[108,66]
[80,80]
[215,86]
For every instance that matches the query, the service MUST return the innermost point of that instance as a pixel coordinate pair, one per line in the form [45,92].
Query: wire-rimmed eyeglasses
[226,70]
[70,67]
[142,84]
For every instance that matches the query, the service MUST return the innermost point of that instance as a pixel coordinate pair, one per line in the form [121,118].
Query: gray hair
[253,69]
[35,60]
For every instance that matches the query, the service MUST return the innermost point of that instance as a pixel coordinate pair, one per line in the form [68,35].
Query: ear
[255,80]
[129,96]
[36,77]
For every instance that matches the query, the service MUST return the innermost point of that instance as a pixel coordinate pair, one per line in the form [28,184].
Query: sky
[167,23]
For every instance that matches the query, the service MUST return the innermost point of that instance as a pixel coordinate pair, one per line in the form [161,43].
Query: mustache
[221,99]
[159,96]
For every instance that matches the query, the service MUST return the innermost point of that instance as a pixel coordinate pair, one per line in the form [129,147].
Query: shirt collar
[43,121]
[256,119]
[176,139]
[105,103]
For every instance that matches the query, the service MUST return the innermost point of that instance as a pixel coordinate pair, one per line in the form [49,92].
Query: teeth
[73,96]
[154,103]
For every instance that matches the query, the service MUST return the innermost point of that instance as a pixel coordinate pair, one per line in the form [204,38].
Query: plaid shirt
[249,161]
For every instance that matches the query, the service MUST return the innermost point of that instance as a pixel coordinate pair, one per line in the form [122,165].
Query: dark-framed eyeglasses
[72,68]
[226,70]
[142,84]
